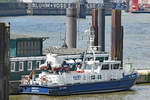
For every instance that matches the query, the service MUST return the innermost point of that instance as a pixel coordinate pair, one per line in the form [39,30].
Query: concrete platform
[144,76]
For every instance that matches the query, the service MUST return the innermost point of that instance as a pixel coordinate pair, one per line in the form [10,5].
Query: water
[136,33]
[136,47]
[138,92]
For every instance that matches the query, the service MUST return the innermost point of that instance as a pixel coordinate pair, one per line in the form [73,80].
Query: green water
[137,92]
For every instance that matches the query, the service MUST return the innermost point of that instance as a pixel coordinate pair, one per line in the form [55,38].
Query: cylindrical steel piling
[4,60]
[95,25]
[71,31]
[101,29]
[116,36]
[92,36]
[121,45]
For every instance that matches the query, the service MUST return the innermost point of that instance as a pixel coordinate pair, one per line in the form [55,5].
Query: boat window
[101,59]
[105,67]
[88,66]
[106,58]
[92,77]
[89,59]
[116,66]
[98,77]
[111,66]
[96,66]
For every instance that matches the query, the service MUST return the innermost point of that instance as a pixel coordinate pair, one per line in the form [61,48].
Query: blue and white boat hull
[82,88]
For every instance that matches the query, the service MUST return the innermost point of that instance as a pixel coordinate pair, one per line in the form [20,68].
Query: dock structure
[95,25]
[116,36]
[98,25]
[81,8]
[101,29]
[4,60]
[71,33]
[53,7]
[144,76]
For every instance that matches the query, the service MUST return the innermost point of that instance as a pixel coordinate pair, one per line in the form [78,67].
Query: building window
[30,65]
[13,66]
[21,66]
[38,63]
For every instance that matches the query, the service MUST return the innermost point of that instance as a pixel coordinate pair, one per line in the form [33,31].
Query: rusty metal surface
[121,45]
[95,25]
[116,36]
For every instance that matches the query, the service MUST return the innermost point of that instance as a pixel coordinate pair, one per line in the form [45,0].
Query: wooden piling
[116,36]
[4,60]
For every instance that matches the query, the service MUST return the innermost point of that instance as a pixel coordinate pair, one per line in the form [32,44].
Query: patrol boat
[89,75]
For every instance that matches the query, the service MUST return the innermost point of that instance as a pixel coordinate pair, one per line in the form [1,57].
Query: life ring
[44,79]
[26,79]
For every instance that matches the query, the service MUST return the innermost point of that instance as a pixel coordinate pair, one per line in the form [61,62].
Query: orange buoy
[44,79]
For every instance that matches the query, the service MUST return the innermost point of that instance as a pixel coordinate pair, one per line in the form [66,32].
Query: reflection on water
[138,92]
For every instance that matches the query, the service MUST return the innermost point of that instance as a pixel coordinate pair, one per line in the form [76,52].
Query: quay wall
[144,76]
[19,9]
[51,11]
[13,12]
[14,87]
[13,9]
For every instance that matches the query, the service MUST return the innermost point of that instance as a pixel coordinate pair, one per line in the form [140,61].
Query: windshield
[89,66]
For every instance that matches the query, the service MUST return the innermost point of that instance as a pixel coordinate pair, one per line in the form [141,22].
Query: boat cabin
[91,71]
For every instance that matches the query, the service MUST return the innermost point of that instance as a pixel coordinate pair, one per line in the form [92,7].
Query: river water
[138,92]
[136,33]
[136,47]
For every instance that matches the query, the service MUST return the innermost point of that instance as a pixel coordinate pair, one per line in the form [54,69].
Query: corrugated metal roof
[66,51]
[28,58]
[24,36]
[59,50]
